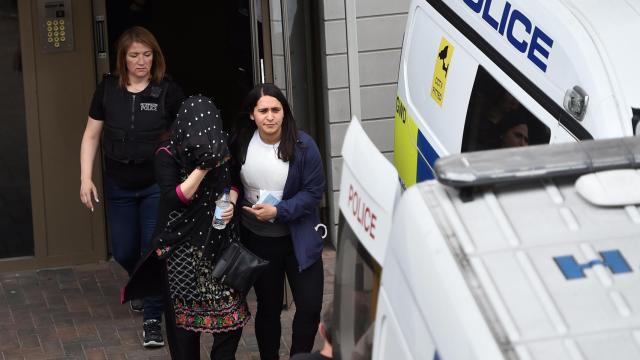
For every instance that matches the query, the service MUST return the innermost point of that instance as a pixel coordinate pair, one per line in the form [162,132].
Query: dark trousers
[306,286]
[132,219]
[185,344]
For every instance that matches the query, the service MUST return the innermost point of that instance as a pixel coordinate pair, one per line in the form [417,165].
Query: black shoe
[152,333]
[137,305]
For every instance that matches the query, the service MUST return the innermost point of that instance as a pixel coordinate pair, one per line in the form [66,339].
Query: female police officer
[134,108]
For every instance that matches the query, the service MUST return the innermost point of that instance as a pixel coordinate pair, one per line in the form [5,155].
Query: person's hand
[227,213]
[87,190]
[263,212]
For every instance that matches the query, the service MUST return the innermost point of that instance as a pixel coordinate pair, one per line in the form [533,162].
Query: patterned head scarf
[198,139]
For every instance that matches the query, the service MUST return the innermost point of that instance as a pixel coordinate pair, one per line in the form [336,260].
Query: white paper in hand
[266,197]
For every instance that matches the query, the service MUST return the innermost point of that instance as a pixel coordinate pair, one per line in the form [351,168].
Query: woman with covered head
[192,171]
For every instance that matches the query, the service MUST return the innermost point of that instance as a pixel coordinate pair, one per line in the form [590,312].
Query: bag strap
[209,246]
[213,249]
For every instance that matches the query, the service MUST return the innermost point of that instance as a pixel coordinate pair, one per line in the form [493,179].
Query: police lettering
[537,45]
[148,107]
[363,213]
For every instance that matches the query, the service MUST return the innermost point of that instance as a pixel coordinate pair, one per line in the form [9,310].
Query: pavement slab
[74,313]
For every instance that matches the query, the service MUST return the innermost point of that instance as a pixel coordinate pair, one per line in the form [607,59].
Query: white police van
[522,253]
[570,66]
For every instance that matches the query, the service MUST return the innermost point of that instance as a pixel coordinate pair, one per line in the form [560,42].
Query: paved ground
[74,313]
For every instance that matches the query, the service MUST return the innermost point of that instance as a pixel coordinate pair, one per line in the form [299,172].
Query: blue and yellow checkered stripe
[414,157]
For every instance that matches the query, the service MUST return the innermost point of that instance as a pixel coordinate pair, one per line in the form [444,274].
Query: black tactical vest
[134,123]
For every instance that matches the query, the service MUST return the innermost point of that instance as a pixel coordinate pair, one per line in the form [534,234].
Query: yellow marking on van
[441,70]
[405,151]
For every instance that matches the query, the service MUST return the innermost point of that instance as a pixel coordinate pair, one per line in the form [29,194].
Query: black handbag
[238,267]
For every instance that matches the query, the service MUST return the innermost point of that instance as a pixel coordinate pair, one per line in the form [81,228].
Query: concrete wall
[361,43]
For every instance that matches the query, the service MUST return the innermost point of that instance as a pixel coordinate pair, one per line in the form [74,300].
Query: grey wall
[361,44]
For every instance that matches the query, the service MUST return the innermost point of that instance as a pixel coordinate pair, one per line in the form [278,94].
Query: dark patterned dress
[200,302]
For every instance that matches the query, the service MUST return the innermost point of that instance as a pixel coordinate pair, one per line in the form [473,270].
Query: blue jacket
[300,199]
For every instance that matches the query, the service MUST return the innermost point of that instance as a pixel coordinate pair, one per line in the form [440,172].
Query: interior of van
[496,119]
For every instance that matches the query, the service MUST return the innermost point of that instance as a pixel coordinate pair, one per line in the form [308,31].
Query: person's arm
[169,178]
[190,185]
[88,149]
[306,200]
[227,214]
[175,193]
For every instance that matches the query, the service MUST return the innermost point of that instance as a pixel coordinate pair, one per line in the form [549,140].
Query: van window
[495,119]
[357,284]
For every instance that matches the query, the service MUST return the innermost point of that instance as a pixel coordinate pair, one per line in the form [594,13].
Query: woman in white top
[279,172]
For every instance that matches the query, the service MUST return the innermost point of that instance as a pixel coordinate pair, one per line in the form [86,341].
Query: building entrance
[16,227]
[207,45]
[219,49]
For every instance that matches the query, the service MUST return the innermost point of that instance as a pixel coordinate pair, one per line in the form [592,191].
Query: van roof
[542,161]
[551,274]
[566,271]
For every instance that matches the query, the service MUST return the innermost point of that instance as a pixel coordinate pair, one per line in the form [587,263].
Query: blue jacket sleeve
[312,183]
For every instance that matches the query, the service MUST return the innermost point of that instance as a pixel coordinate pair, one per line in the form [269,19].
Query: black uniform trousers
[307,287]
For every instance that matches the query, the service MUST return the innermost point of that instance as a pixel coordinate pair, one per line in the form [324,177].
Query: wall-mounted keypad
[56,25]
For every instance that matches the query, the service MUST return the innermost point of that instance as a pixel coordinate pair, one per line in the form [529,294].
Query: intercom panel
[55,25]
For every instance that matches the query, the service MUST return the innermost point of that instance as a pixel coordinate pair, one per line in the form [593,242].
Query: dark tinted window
[496,119]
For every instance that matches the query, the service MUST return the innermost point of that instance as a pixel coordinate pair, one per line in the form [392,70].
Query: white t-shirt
[263,170]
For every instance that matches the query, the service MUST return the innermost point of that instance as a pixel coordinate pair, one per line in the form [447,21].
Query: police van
[567,67]
[521,253]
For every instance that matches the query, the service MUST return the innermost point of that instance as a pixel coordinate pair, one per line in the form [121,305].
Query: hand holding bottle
[223,206]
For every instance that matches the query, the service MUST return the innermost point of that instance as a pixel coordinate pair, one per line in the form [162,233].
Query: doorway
[16,223]
[220,49]
[207,45]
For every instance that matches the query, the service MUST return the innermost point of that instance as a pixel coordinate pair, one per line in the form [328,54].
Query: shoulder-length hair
[143,36]
[245,127]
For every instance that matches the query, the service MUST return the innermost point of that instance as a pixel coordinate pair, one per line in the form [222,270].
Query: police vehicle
[568,65]
[521,253]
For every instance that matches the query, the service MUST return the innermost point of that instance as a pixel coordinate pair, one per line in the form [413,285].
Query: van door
[451,86]
[436,76]
[356,294]
[369,190]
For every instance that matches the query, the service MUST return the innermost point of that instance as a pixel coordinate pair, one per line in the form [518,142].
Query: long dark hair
[245,127]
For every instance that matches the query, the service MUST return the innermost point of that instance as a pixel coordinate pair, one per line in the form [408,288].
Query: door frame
[48,239]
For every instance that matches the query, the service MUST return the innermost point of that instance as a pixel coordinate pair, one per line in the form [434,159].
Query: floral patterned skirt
[201,302]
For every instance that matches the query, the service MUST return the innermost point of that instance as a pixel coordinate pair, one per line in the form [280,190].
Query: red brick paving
[74,313]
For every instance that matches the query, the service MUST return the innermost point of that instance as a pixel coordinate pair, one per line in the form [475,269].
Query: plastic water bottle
[221,204]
